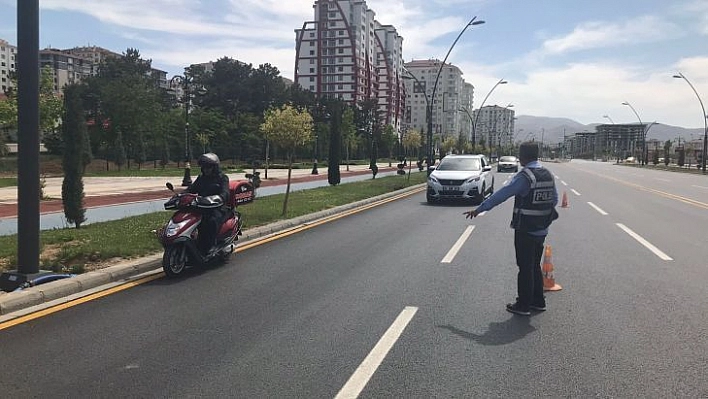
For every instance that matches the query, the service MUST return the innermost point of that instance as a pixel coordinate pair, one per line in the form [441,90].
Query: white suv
[465,177]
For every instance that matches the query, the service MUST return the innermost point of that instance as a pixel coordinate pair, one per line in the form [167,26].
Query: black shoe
[517,309]
[539,308]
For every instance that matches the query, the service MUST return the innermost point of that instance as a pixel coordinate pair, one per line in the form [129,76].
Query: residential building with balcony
[451,115]
[346,54]
[8,59]
[495,125]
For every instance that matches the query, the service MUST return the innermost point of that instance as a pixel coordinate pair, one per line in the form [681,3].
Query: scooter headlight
[173,228]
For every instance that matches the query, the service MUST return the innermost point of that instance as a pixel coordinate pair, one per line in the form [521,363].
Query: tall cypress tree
[335,144]
[73,134]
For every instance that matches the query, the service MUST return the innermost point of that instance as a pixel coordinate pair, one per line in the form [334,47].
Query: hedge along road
[126,198]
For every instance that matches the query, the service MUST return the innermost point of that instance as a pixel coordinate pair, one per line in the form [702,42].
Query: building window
[312,78]
[312,61]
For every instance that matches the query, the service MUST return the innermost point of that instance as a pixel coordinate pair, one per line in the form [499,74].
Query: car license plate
[451,188]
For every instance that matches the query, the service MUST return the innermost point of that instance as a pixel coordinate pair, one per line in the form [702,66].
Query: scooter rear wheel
[174,261]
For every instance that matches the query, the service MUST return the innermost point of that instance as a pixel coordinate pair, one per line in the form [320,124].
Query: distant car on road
[461,177]
[508,164]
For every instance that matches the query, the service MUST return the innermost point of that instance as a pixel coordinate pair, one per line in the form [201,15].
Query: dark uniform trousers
[529,250]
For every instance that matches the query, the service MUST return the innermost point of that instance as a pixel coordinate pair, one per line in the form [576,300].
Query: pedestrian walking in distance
[535,199]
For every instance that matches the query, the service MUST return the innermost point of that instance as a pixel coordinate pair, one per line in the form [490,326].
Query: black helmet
[209,159]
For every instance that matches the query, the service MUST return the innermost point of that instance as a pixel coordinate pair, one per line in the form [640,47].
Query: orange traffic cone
[549,283]
[564,202]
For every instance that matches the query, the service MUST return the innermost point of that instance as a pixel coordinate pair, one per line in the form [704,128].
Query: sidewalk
[102,191]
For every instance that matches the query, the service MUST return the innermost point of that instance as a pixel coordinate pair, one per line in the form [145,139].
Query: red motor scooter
[180,234]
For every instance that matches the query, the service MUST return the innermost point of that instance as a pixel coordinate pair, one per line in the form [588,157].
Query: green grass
[8,181]
[71,249]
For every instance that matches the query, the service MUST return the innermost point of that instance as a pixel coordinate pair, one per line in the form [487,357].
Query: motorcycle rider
[210,182]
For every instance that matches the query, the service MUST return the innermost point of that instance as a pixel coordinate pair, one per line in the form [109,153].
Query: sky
[573,59]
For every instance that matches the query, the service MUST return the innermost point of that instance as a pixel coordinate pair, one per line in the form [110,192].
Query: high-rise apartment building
[345,53]
[67,68]
[451,107]
[495,125]
[76,64]
[8,54]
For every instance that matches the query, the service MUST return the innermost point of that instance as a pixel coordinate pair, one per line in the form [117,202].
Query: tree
[50,108]
[411,141]
[290,129]
[119,155]
[448,145]
[126,99]
[667,149]
[388,140]
[349,137]
[681,157]
[335,144]
[73,134]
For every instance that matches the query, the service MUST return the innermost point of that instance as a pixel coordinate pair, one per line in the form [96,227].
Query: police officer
[210,182]
[535,198]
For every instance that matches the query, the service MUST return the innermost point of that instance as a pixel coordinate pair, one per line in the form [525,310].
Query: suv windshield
[460,164]
[507,159]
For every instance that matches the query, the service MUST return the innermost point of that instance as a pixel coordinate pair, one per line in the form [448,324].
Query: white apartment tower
[495,125]
[8,54]
[344,53]
[451,107]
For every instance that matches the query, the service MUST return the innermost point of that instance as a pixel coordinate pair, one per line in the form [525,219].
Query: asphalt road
[407,300]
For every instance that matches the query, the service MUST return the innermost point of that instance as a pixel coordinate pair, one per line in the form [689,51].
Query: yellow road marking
[79,301]
[131,284]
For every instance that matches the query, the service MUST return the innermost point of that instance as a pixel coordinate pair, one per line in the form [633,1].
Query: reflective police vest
[535,211]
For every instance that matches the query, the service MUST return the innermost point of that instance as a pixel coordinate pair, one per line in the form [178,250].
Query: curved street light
[705,120]
[186,83]
[608,118]
[479,110]
[644,133]
[430,103]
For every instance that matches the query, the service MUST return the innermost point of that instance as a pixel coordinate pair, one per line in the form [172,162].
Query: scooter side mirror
[170,186]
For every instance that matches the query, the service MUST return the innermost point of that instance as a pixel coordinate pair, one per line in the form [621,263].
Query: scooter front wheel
[174,261]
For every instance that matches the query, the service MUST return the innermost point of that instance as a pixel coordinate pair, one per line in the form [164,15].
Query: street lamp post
[645,151]
[608,118]
[186,83]
[705,121]
[435,86]
[479,110]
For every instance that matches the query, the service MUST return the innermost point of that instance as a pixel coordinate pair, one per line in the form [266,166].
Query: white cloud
[600,34]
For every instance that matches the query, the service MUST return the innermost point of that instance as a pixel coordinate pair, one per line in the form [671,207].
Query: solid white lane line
[597,208]
[693,185]
[660,179]
[564,183]
[366,369]
[644,242]
[456,248]
[575,192]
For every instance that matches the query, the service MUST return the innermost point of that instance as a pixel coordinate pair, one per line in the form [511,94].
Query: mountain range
[551,130]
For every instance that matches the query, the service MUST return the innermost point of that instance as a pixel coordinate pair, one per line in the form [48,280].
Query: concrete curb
[21,303]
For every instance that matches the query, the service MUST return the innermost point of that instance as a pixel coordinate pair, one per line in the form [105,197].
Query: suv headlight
[432,179]
[472,179]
